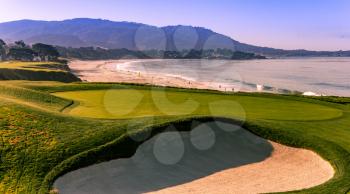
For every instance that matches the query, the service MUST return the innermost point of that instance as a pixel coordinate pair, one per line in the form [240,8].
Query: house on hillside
[37,59]
[43,58]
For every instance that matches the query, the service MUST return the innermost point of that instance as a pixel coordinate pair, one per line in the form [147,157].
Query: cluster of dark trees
[92,53]
[23,52]
[43,52]
[211,54]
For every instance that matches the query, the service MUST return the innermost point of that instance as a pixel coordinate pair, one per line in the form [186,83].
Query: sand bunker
[286,170]
[214,157]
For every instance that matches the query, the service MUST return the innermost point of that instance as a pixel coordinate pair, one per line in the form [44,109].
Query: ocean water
[324,76]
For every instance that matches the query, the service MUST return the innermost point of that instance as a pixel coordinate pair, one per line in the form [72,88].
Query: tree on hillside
[20,44]
[2,50]
[2,43]
[20,51]
[21,54]
[45,52]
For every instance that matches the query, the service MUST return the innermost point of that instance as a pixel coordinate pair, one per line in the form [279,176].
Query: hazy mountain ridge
[84,32]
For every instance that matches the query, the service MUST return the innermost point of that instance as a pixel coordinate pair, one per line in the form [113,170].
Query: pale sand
[287,169]
[108,71]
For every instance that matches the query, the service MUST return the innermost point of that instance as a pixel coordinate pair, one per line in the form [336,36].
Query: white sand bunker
[213,158]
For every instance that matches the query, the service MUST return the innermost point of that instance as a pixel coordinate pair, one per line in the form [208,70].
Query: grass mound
[32,97]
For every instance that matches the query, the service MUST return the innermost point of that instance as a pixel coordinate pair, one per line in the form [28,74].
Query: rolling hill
[84,32]
[108,34]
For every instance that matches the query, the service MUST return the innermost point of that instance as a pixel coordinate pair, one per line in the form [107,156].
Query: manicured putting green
[130,103]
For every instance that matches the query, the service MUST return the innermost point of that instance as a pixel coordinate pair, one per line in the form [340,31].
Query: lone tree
[20,44]
[46,52]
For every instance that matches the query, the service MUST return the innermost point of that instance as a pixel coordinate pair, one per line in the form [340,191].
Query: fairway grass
[44,136]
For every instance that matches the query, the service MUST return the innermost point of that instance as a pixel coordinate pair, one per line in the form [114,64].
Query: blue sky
[288,24]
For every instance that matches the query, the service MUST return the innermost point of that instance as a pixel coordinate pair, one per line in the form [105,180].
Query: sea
[310,76]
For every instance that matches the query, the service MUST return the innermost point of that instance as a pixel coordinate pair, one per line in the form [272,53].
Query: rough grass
[39,143]
[33,66]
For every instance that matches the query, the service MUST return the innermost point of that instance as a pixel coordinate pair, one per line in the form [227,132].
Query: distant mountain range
[84,32]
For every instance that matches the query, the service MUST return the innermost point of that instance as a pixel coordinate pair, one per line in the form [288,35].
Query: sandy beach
[112,71]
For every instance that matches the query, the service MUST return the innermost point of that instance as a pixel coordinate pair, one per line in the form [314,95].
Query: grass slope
[36,71]
[39,143]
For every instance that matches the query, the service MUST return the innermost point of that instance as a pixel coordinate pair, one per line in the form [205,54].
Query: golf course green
[50,128]
[131,103]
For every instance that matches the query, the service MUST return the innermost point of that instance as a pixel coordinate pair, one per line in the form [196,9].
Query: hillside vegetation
[92,53]
[44,136]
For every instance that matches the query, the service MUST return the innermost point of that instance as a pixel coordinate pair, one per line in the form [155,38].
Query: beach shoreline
[114,71]
[302,78]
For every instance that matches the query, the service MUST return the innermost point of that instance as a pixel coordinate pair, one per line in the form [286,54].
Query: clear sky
[288,24]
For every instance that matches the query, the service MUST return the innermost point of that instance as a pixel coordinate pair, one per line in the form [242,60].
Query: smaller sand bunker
[214,157]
